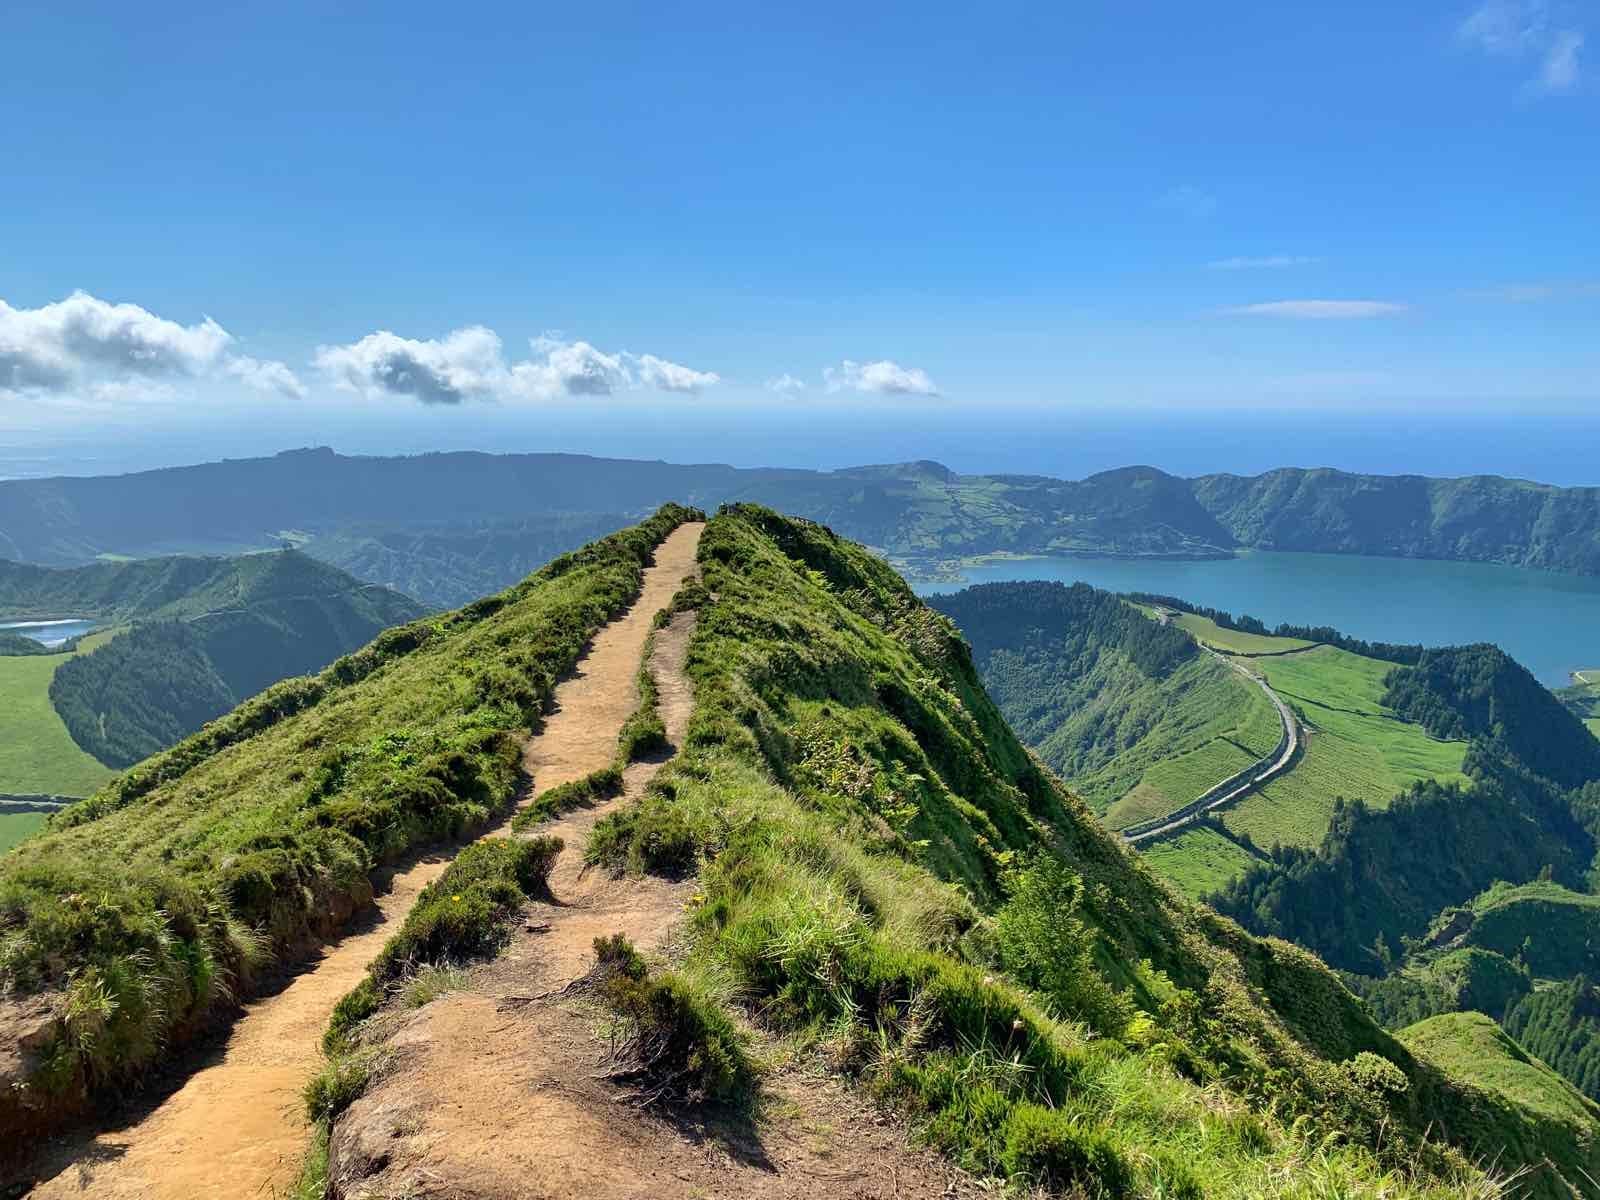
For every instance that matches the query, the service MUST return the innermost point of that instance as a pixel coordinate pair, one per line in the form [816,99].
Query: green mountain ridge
[403,521]
[883,870]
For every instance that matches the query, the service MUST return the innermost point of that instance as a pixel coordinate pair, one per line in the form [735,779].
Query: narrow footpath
[236,1127]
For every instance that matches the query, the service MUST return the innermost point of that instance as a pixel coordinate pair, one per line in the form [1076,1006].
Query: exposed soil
[236,1127]
[492,1092]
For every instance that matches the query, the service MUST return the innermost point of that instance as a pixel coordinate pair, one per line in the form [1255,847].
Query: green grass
[14,826]
[1204,722]
[37,754]
[1471,1046]
[260,832]
[1232,641]
[1199,860]
[1554,930]
[1356,748]
[886,876]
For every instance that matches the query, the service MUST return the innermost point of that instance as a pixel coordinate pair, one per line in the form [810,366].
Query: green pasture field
[36,752]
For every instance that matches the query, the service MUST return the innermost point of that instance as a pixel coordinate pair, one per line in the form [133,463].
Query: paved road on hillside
[1263,772]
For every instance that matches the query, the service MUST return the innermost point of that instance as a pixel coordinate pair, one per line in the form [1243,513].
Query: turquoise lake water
[1549,622]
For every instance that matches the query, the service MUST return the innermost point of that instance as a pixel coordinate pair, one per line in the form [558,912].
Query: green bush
[676,1043]
[564,797]
[1048,1147]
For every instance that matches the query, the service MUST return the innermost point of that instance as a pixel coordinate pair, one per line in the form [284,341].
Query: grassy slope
[1554,929]
[1234,641]
[14,826]
[37,754]
[1357,748]
[840,754]
[271,818]
[1198,860]
[1474,1048]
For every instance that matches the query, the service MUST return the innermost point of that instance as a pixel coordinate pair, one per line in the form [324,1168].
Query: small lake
[1548,622]
[49,633]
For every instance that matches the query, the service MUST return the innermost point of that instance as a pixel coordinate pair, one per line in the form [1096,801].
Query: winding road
[1229,790]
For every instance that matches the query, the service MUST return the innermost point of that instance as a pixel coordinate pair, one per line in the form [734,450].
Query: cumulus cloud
[1525,29]
[1268,262]
[673,377]
[465,365]
[882,377]
[1319,310]
[86,345]
[470,364]
[785,384]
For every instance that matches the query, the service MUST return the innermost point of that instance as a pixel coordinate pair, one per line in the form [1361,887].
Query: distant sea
[1552,447]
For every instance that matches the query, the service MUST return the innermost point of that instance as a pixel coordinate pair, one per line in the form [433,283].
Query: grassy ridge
[885,873]
[1235,641]
[147,907]
[37,754]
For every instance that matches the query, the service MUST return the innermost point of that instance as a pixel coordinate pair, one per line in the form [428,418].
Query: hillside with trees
[441,525]
[883,877]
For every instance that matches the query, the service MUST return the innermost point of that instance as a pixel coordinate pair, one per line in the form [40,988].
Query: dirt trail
[493,1092]
[237,1124]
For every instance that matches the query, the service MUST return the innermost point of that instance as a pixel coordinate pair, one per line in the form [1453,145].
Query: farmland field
[1356,748]
[1208,633]
[36,752]
[1199,860]
[14,826]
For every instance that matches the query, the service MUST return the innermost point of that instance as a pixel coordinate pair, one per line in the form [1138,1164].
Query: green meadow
[1199,860]
[1355,747]
[14,826]
[36,752]
[1232,641]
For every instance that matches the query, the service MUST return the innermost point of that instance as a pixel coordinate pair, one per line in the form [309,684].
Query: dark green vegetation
[1127,710]
[17,644]
[145,910]
[443,527]
[1123,704]
[1561,1025]
[1482,692]
[208,633]
[888,875]
[248,623]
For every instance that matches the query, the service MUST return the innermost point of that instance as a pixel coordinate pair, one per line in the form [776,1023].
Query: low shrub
[673,1042]
[578,793]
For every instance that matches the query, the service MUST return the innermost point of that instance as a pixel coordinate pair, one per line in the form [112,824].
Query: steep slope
[258,836]
[210,632]
[888,881]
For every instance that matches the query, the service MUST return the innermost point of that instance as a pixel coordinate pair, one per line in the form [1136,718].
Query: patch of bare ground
[236,1125]
[498,1090]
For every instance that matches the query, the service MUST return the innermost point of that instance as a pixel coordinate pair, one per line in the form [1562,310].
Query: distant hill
[206,633]
[447,526]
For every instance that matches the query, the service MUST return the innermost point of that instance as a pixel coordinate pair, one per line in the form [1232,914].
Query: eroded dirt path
[236,1126]
[494,1092]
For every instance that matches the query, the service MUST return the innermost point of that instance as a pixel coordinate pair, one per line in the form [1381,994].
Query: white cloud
[1189,201]
[673,377]
[85,345]
[882,377]
[463,366]
[785,384]
[1269,262]
[1522,29]
[469,364]
[1319,310]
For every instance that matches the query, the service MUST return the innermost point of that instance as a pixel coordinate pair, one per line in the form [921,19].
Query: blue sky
[454,220]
